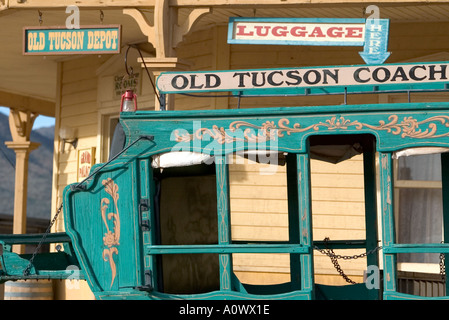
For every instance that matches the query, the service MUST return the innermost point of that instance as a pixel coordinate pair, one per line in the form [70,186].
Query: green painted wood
[225,248]
[34,238]
[388,228]
[369,178]
[305,224]
[224,221]
[445,191]
[417,247]
[221,132]
[109,223]
[218,132]
[293,218]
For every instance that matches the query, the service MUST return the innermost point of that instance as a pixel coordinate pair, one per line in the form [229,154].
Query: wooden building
[83,93]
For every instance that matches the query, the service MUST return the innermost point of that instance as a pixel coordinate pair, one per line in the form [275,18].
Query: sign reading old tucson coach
[85,40]
[354,78]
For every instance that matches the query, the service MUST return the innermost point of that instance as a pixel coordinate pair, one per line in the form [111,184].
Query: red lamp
[129,102]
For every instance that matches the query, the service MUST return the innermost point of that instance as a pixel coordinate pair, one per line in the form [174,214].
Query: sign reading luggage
[357,78]
[59,40]
[372,34]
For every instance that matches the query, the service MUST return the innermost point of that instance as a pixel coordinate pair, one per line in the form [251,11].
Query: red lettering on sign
[259,30]
[298,31]
[241,31]
[317,32]
[354,32]
[335,32]
[280,31]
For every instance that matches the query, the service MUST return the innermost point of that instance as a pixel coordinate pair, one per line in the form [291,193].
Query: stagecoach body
[116,231]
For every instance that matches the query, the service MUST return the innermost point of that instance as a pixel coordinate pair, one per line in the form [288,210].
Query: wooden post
[445,191]
[369,170]
[224,220]
[293,219]
[305,223]
[20,124]
[388,230]
[164,33]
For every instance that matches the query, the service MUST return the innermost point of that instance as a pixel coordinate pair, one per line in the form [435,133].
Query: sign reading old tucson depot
[354,78]
[85,40]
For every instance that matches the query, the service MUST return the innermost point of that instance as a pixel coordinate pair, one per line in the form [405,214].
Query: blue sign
[376,41]
[85,40]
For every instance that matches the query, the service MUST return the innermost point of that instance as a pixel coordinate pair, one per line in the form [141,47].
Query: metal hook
[126,63]
[40,17]
[101,16]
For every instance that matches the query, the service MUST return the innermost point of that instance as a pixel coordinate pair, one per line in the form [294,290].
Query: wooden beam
[180,30]
[42,4]
[145,25]
[23,103]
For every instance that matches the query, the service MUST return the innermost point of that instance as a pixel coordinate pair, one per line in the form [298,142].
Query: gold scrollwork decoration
[111,238]
[245,131]
[410,127]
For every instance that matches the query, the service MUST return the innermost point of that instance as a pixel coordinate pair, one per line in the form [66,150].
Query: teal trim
[394,127]
[293,218]
[445,197]
[214,295]
[418,247]
[305,223]
[370,196]
[388,228]
[227,248]
[224,222]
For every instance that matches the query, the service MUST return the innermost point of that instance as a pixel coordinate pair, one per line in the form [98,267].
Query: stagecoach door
[346,247]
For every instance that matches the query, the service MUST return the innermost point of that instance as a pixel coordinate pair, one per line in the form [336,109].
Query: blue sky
[40,122]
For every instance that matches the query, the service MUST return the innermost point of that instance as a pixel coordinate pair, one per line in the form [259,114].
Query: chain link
[442,266]
[334,258]
[27,270]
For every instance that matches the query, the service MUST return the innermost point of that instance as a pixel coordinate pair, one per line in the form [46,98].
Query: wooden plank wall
[78,109]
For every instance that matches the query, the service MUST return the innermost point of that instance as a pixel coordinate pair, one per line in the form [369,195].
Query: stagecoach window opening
[188,216]
[259,215]
[343,197]
[419,206]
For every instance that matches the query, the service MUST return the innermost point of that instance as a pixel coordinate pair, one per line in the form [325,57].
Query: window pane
[188,216]
[420,221]
[420,167]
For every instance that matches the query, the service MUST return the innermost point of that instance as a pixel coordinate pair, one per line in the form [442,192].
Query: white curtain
[420,209]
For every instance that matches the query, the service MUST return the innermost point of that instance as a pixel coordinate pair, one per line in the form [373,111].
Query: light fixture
[68,136]
[129,102]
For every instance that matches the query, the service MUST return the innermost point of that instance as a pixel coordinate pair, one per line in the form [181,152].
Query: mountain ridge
[40,168]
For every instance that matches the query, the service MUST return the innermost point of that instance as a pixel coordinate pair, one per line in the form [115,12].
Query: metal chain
[26,272]
[334,258]
[442,265]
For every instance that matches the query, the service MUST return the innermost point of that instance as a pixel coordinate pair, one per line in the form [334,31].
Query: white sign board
[294,78]
[372,34]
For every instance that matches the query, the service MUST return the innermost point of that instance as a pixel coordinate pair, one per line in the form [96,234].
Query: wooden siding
[78,109]
[260,213]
